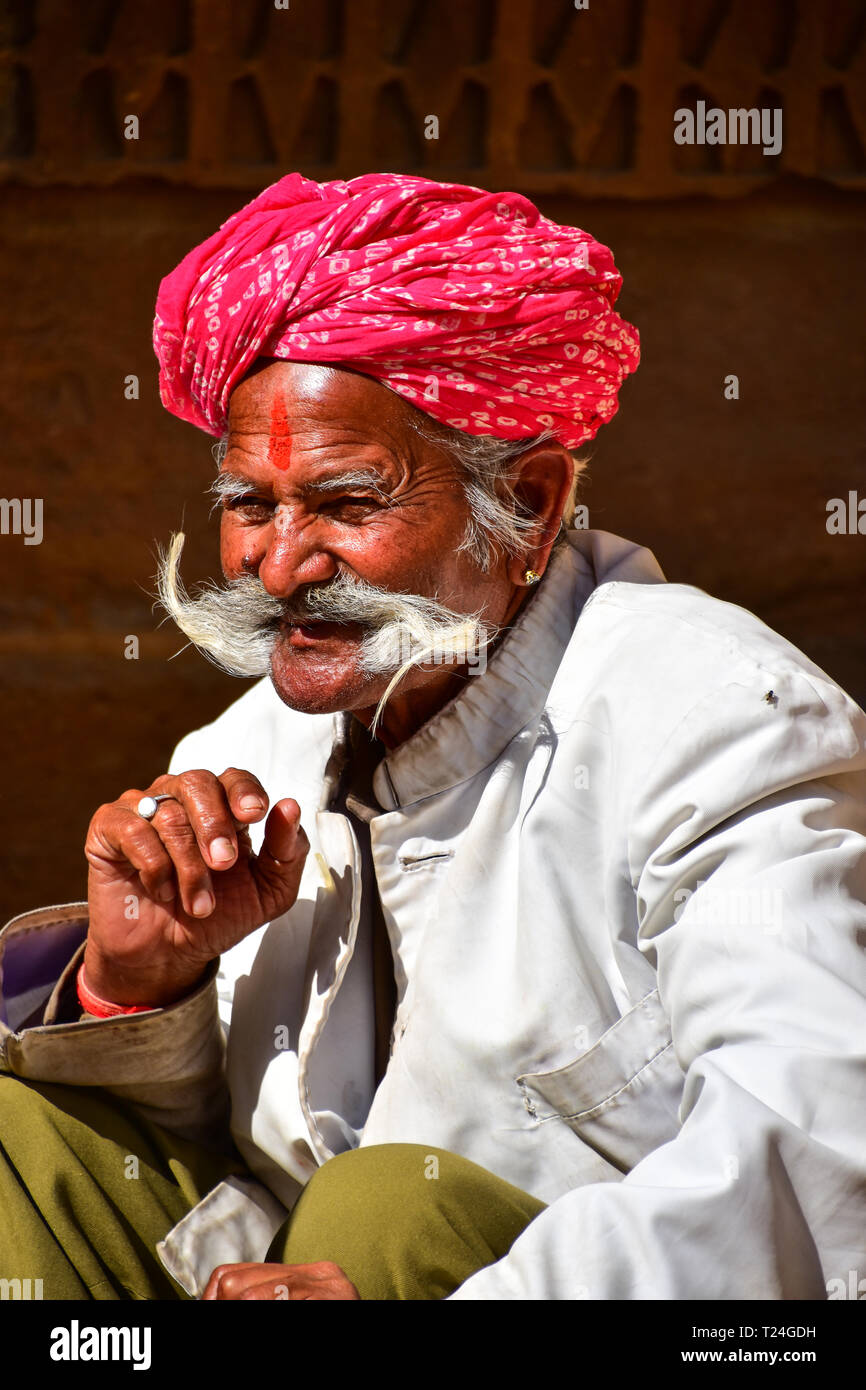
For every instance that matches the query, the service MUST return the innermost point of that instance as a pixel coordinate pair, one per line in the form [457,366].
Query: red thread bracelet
[101,1008]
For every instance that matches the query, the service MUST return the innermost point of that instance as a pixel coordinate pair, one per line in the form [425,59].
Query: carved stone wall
[542,95]
[575,108]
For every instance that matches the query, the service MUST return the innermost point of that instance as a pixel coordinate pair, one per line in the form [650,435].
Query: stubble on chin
[312,683]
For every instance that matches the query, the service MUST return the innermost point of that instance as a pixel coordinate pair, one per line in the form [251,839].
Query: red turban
[472,305]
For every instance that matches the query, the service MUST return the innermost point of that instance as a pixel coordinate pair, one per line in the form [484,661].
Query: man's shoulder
[256,732]
[654,627]
[687,700]
[643,656]
[672,627]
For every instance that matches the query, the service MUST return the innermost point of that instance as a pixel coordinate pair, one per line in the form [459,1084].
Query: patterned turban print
[472,305]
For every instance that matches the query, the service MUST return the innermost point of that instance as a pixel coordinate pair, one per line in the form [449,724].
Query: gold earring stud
[530,577]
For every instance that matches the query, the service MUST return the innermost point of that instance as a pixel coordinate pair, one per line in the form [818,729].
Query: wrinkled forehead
[301,398]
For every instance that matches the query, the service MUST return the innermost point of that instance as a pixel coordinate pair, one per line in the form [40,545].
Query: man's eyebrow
[351,477]
[226,486]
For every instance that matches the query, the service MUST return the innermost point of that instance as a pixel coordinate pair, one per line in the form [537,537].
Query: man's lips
[310,631]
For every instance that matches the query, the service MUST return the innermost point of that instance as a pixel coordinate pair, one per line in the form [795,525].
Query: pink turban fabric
[471,305]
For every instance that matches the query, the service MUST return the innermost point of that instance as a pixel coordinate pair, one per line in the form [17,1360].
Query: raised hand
[197,886]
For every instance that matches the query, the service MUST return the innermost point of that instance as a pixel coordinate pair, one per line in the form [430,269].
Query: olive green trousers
[88,1187]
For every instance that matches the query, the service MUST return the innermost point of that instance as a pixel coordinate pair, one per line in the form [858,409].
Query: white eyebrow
[353,477]
[226,486]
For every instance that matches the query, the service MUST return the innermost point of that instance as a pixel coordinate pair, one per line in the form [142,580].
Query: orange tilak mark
[280,442]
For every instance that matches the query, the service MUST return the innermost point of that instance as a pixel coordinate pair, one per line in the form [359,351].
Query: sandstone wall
[734,263]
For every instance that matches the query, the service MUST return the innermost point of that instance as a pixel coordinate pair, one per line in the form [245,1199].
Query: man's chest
[511,923]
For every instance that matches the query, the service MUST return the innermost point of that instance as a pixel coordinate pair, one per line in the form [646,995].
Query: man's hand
[198,888]
[279,1282]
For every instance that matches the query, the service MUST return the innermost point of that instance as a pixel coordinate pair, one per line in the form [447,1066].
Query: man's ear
[542,481]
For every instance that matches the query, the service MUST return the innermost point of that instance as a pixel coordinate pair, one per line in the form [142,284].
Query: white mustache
[235,625]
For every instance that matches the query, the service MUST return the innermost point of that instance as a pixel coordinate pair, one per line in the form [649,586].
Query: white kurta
[623,875]
[624,887]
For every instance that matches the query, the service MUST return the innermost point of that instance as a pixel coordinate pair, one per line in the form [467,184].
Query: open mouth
[302,634]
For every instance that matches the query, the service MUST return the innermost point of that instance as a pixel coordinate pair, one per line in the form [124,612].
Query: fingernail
[166,893]
[202,905]
[222,850]
[251,803]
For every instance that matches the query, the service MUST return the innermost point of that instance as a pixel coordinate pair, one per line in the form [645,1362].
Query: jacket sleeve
[170,1061]
[747,849]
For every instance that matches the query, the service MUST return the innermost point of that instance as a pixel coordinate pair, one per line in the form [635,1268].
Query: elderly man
[529,887]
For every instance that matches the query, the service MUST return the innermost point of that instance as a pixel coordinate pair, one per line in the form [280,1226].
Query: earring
[530,577]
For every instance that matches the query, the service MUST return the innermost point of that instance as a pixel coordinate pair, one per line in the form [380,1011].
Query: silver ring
[149,805]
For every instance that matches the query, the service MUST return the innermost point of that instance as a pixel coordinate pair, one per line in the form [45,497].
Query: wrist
[114,990]
[98,1007]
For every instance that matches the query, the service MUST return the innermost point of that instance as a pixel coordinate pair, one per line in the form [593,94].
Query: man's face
[339,482]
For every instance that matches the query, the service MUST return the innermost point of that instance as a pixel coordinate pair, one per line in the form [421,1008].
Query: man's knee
[379,1175]
[394,1185]
[404,1220]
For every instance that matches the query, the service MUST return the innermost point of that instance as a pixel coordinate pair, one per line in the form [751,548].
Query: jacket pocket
[622,1097]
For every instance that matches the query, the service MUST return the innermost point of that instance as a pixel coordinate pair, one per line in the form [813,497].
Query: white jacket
[624,878]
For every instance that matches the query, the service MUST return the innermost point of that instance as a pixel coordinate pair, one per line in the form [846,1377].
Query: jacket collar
[473,728]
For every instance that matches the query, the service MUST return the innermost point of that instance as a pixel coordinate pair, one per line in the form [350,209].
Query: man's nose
[294,557]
